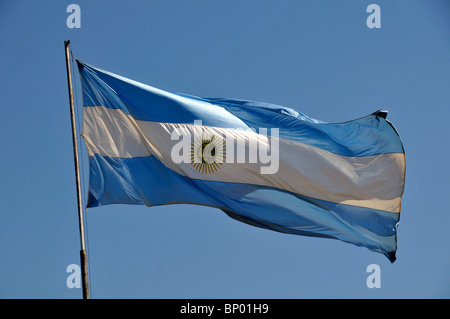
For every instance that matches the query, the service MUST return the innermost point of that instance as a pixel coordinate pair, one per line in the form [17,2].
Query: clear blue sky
[318,57]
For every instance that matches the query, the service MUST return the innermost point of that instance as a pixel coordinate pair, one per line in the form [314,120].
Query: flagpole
[83,256]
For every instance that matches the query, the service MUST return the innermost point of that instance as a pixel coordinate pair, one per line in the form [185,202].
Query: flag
[262,164]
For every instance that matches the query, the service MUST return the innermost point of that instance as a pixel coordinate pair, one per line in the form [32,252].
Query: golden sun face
[208,153]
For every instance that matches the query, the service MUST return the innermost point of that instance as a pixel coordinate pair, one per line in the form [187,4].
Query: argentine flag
[262,164]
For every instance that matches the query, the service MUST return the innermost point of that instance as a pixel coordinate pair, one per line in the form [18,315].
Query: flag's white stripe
[373,181]
[110,132]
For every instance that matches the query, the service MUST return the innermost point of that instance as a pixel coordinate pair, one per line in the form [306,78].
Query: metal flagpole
[83,257]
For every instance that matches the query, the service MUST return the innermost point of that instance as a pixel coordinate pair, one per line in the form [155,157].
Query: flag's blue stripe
[146,181]
[370,135]
[101,88]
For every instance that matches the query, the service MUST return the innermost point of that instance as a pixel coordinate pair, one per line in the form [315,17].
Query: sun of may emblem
[208,153]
